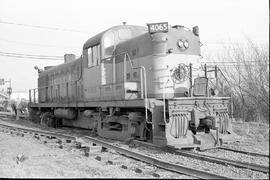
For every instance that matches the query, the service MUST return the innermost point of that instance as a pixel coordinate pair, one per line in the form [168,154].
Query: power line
[232,62]
[230,43]
[43,58]
[239,65]
[34,44]
[43,27]
[31,55]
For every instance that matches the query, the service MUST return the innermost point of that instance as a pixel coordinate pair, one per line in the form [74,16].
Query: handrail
[137,67]
[32,96]
[145,87]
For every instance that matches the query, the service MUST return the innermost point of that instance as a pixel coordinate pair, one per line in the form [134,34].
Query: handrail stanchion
[30,96]
[34,96]
[145,88]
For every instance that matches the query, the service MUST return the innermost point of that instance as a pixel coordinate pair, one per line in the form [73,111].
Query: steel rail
[135,155]
[156,162]
[223,161]
[41,132]
[243,152]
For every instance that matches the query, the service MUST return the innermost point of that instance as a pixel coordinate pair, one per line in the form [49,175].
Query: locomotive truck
[143,83]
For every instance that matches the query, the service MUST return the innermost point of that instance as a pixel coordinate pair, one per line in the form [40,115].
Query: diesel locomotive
[134,82]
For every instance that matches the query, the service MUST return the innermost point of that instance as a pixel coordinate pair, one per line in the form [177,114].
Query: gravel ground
[264,161]
[48,161]
[27,157]
[254,138]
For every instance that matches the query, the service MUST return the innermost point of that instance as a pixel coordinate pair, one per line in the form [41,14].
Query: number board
[158,27]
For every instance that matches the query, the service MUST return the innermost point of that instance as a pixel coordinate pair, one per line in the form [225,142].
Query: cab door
[92,73]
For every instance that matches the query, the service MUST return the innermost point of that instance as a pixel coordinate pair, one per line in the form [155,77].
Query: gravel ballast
[67,160]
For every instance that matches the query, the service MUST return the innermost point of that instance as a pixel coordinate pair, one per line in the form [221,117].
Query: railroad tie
[137,170]
[155,175]
[86,150]
[98,158]
[109,162]
[124,167]
[78,145]
[104,149]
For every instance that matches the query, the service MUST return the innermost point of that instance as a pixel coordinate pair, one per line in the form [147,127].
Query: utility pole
[216,76]
[9,89]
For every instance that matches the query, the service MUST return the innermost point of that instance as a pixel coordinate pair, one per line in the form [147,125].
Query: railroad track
[123,151]
[223,161]
[213,159]
[243,152]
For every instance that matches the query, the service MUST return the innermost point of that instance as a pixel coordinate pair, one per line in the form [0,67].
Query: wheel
[47,119]
[34,115]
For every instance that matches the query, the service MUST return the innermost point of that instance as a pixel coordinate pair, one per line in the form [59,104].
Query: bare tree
[246,68]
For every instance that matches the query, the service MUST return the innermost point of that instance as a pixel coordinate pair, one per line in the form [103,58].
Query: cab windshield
[112,38]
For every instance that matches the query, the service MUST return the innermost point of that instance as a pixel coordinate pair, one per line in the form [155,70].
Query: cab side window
[108,43]
[94,56]
[89,53]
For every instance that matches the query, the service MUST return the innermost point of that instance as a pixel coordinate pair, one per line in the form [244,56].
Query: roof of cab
[97,38]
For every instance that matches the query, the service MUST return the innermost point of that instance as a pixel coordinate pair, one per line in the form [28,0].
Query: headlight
[182,44]
[186,44]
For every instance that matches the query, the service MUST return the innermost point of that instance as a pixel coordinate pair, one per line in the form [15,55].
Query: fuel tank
[70,114]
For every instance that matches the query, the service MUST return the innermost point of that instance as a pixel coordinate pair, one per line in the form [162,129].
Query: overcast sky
[220,21]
